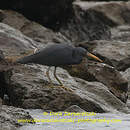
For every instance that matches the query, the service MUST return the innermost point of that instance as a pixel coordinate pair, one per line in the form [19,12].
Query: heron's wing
[54,55]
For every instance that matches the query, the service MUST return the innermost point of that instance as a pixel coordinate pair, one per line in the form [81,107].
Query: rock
[34,91]
[128,103]
[103,73]
[31,29]
[9,117]
[74,108]
[78,22]
[1,56]
[92,20]
[2,16]
[50,13]
[1,103]
[126,75]
[41,34]
[30,84]
[16,45]
[13,42]
[5,75]
[116,13]
[85,24]
[98,91]
[121,33]
[114,53]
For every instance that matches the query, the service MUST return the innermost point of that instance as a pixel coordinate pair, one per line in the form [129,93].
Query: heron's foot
[65,88]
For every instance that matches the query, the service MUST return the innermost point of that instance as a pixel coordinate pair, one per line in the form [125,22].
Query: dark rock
[2,16]
[86,24]
[47,12]
[128,104]
[30,84]
[78,22]
[34,92]
[92,20]
[121,33]
[5,75]
[104,74]
[1,102]
[116,12]
[31,29]
[1,56]
[126,75]
[14,44]
[114,53]
[9,117]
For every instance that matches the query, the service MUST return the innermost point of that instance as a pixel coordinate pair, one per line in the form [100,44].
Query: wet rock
[1,55]
[32,87]
[103,73]
[74,108]
[48,12]
[1,102]
[13,42]
[121,33]
[30,84]
[116,13]
[31,29]
[92,20]
[98,91]
[85,24]
[126,75]
[5,75]
[114,53]
[128,104]
[2,16]
[9,117]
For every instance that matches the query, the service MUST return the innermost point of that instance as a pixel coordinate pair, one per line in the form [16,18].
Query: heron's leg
[57,77]
[47,73]
[68,89]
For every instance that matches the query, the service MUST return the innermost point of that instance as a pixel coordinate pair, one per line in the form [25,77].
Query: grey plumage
[56,55]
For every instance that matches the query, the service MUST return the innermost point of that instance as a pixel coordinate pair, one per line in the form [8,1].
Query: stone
[74,108]
[92,71]
[85,24]
[1,56]
[114,53]
[9,117]
[49,13]
[30,84]
[121,33]
[116,12]
[31,29]
[9,36]
[5,75]
[126,75]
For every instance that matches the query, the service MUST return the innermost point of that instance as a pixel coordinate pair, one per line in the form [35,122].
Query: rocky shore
[103,28]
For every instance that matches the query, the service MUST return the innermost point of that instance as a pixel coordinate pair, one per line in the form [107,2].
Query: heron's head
[83,52]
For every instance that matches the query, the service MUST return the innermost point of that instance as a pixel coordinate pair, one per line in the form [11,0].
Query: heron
[57,55]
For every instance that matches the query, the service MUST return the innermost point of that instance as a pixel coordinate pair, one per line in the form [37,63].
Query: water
[79,122]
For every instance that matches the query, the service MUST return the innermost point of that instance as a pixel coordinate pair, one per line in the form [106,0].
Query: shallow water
[112,121]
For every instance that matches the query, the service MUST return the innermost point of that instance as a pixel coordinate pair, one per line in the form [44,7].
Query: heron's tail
[25,60]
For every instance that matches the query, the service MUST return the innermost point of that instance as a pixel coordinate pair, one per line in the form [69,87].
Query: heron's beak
[94,57]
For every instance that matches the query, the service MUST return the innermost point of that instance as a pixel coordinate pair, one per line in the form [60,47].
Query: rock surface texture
[102,28]
[9,117]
